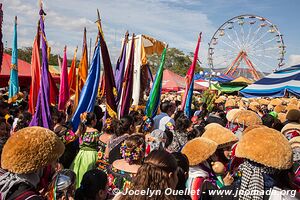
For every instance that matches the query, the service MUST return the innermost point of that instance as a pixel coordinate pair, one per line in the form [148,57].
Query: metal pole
[209,81]
[90,51]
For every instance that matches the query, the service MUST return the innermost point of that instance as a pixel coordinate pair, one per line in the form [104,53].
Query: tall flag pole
[154,97]
[53,88]
[14,81]
[35,73]
[64,90]
[90,89]
[120,68]
[82,70]
[128,83]
[110,86]
[42,115]
[190,74]
[59,61]
[1,35]
[188,104]
[72,75]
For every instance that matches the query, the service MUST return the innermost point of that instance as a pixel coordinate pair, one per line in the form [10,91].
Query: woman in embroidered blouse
[123,128]
[88,143]
[121,171]
[105,136]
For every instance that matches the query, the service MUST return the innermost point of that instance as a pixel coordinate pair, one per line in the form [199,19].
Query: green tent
[229,87]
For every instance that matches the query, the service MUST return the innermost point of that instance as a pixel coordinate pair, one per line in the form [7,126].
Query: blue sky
[176,22]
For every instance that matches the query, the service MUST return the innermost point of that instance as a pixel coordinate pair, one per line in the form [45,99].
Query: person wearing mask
[94,186]
[167,110]
[23,159]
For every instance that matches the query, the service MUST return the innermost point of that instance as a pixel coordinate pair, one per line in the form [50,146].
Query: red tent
[24,72]
[173,82]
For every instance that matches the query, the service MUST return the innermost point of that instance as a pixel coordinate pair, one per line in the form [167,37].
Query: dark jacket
[23,191]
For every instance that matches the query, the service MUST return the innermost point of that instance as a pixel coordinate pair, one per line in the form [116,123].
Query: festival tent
[24,72]
[229,87]
[173,82]
[242,79]
[202,83]
[276,84]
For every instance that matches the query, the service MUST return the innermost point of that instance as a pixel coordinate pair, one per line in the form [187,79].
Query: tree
[176,61]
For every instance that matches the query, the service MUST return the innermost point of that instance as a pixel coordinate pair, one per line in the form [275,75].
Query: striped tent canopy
[276,84]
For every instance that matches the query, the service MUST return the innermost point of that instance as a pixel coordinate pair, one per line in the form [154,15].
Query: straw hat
[212,125]
[267,147]
[294,101]
[291,106]
[199,149]
[295,141]
[222,136]
[279,108]
[293,115]
[30,149]
[245,99]
[254,106]
[270,107]
[263,101]
[230,103]
[241,104]
[282,117]
[247,118]
[223,97]
[249,128]
[275,102]
[219,100]
[290,126]
[230,114]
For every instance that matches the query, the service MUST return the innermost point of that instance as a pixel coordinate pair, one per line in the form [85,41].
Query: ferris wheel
[247,45]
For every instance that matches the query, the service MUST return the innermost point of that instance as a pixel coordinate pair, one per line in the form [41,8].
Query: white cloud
[294,60]
[169,21]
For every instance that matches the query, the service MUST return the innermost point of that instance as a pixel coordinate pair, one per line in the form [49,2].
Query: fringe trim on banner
[110,111]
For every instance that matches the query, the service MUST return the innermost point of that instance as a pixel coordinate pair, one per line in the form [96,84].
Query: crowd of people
[236,149]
